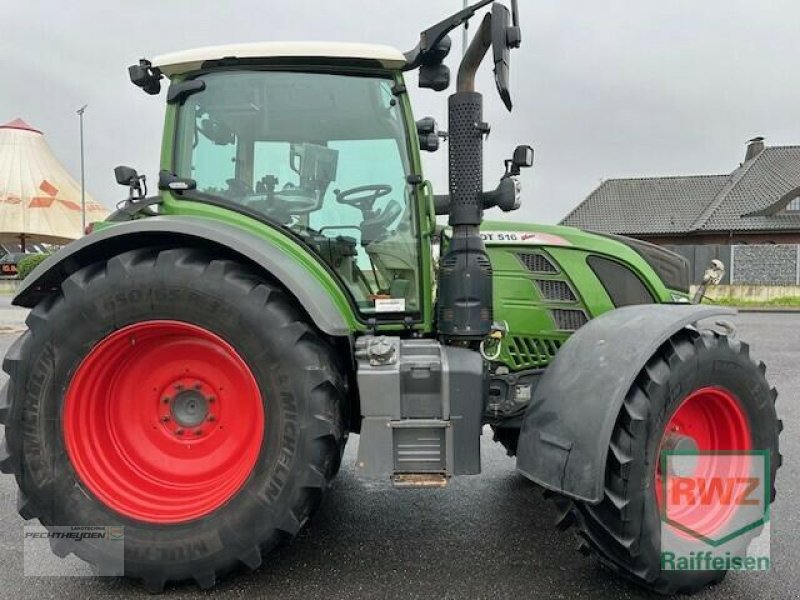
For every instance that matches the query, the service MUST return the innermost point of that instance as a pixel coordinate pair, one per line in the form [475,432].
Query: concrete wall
[765,265]
[8,286]
[768,264]
[752,293]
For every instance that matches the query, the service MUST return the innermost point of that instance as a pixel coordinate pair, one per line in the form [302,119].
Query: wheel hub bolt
[187,411]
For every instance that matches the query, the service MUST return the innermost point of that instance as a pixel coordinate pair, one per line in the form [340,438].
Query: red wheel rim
[709,420]
[163,421]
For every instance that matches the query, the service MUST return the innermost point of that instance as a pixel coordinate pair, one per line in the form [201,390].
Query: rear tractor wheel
[183,398]
[700,392]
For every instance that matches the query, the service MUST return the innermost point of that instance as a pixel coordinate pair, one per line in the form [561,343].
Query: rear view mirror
[433,74]
[146,76]
[428,132]
[125,175]
[523,157]
[135,183]
[434,77]
[504,38]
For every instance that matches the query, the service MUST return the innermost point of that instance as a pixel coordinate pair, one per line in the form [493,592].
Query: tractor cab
[319,140]
[315,141]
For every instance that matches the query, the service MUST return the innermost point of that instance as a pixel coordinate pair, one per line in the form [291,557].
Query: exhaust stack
[464,309]
[465,306]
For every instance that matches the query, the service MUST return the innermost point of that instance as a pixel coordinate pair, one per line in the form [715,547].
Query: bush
[29,263]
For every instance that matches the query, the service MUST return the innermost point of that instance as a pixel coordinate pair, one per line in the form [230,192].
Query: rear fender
[567,428]
[299,281]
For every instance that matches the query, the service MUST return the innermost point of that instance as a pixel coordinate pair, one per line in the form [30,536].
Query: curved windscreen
[323,155]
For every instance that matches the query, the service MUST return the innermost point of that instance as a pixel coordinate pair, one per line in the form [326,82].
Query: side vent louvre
[530,352]
[419,450]
[557,291]
[569,320]
[537,263]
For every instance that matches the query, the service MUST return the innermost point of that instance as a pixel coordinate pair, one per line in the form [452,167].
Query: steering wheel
[362,197]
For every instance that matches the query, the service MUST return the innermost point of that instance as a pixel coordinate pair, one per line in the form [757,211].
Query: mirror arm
[505,196]
[474,56]
[433,35]
[441,204]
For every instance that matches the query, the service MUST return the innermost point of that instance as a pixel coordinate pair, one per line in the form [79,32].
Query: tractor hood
[671,268]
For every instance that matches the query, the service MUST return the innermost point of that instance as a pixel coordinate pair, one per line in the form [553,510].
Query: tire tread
[325,392]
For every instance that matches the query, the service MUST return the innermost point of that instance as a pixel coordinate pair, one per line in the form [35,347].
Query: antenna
[515,13]
[465,33]
[80,112]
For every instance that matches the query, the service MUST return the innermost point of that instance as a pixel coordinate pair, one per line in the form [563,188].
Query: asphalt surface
[487,536]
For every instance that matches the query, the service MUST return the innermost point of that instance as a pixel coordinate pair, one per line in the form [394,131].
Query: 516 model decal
[530,238]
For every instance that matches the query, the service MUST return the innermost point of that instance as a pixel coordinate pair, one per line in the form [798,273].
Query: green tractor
[194,366]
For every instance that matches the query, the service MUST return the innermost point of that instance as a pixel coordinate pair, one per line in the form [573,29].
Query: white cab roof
[191,60]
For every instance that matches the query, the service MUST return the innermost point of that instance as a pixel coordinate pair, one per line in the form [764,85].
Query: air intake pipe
[464,310]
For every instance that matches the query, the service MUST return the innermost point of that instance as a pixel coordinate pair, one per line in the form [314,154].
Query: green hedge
[28,264]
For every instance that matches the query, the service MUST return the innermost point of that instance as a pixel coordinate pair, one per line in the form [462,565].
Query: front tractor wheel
[183,398]
[701,393]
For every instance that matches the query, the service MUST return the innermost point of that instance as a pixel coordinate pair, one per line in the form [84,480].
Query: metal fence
[770,264]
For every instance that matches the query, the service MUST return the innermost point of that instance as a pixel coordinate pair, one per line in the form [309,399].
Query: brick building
[758,203]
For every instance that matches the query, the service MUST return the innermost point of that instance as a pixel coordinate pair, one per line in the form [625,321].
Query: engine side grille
[531,352]
[569,320]
[558,291]
[536,263]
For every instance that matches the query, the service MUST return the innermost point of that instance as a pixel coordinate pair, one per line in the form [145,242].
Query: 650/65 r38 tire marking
[163,421]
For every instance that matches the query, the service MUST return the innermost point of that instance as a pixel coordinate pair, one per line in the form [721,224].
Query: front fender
[306,286]
[567,428]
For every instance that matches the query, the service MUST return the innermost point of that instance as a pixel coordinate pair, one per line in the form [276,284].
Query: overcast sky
[601,88]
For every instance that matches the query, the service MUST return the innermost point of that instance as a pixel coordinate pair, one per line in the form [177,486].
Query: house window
[793,206]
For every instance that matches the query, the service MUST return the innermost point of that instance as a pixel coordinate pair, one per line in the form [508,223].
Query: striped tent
[39,201]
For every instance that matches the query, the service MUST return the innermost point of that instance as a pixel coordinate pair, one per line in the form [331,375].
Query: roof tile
[668,205]
[647,205]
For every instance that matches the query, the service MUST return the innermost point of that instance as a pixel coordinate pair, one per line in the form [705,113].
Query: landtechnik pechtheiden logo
[715,510]
[52,551]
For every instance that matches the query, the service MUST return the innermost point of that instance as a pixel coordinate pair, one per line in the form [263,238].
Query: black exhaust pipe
[465,311]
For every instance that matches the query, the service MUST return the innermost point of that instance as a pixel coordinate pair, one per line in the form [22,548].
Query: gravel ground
[488,536]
